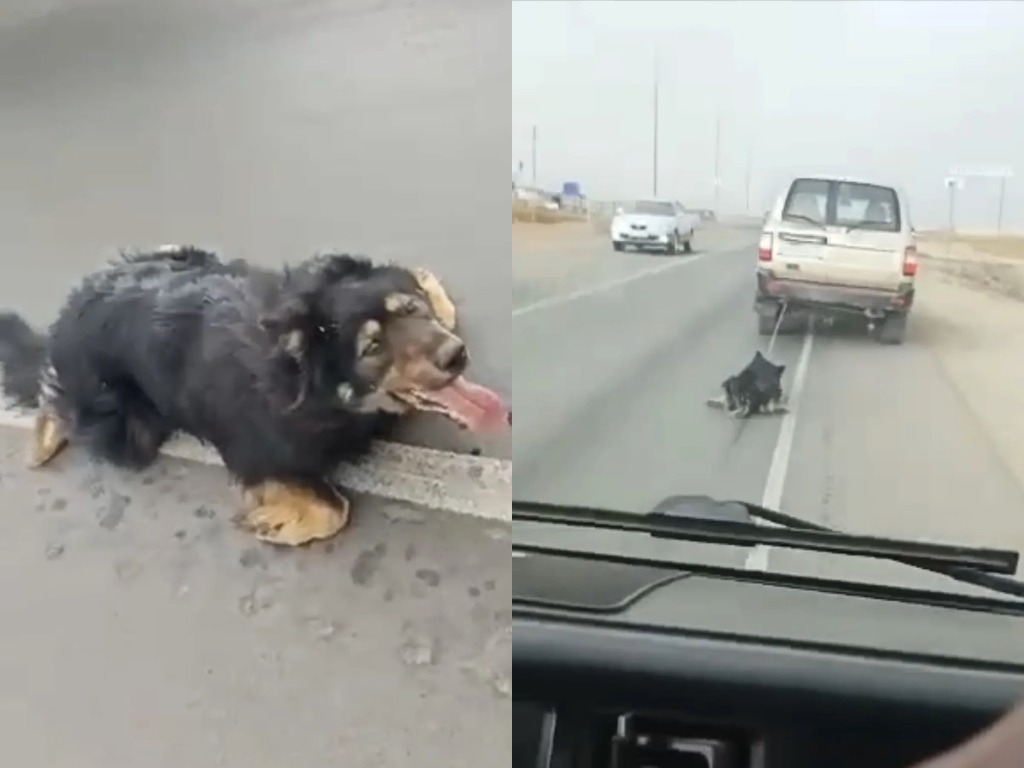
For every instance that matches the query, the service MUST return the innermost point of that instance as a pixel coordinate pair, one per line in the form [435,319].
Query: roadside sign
[982,171]
[955,182]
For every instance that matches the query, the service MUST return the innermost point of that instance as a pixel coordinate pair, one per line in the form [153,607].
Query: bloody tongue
[477,406]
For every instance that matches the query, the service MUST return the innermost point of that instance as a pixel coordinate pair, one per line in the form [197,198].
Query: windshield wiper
[971,565]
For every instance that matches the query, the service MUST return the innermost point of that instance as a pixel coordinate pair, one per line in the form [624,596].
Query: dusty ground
[971,316]
[548,254]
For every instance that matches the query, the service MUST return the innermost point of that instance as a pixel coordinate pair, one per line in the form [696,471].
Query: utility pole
[750,162]
[718,157]
[533,155]
[1002,198]
[657,84]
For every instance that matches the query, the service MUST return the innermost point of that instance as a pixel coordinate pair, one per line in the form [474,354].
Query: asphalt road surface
[139,627]
[615,357]
[267,128]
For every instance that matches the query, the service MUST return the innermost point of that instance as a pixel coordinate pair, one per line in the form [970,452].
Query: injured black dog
[285,372]
[757,389]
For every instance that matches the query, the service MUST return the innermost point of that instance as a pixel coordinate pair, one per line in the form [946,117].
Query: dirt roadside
[543,252]
[970,314]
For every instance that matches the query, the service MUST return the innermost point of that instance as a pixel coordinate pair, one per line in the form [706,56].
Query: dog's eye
[371,347]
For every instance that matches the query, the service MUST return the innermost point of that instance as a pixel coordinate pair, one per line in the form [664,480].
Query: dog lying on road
[757,389]
[287,373]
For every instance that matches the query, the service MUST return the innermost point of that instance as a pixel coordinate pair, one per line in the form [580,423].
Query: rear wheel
[673,244]
[618,246]
[688,244]
[894,328]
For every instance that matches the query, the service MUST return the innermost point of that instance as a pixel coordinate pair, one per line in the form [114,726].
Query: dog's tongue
[476,406]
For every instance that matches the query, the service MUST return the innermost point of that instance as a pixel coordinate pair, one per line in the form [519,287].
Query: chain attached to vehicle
[778,324]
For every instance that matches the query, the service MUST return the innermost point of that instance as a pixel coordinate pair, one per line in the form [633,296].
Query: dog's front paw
[291,516]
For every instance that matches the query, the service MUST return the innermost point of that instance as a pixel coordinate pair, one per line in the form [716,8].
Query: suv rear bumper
[798,294]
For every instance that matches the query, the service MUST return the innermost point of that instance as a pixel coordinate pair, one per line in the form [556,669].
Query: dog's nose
[452,357]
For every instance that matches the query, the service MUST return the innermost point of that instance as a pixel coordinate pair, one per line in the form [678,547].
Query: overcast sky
[894,91]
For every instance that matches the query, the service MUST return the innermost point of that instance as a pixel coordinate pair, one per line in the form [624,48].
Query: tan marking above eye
[368,338]
[401,304]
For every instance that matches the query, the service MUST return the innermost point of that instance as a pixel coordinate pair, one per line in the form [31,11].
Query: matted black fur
[180,341]
[757,389]
[24,352]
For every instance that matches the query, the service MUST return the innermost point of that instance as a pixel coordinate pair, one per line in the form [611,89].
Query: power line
[533,155]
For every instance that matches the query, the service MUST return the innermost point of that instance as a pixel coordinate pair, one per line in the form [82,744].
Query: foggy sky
[893,91]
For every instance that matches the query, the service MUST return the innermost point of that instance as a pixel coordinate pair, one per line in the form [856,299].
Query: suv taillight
[910,261]
[764,247]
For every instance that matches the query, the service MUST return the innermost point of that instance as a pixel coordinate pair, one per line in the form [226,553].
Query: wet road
[268,128]
[139,627]
[615,356]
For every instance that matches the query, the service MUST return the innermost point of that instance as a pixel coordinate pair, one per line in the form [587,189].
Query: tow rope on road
[775,331]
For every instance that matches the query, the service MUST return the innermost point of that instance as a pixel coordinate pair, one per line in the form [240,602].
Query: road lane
[547,270]
[611,391]
[885,445]
[606,376]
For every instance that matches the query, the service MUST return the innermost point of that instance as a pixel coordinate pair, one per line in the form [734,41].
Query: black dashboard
[633,666]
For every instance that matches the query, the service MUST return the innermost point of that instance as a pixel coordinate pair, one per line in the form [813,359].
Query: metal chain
[778,324]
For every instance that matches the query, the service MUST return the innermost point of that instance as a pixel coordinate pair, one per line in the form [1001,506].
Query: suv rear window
[843,204]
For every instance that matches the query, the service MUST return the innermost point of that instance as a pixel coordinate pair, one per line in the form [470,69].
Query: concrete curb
[451,482]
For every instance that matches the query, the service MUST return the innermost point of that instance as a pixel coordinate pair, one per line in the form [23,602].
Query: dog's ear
[438,298]
[780,369]
[291,324]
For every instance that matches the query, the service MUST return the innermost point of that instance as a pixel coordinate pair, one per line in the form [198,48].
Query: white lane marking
[757,558]
[470,485]
[564,298]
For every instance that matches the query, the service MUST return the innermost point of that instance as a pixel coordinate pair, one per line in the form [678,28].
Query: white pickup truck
[654,224]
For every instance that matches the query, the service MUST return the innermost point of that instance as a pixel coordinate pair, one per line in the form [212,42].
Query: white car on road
[654,224]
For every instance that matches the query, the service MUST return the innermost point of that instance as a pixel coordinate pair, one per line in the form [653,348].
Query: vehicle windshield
[868,241]
[651,208]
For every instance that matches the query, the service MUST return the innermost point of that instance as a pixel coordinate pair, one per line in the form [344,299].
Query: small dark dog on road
[757,389]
